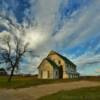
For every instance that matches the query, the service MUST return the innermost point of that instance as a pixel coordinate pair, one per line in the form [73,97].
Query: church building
[56,66]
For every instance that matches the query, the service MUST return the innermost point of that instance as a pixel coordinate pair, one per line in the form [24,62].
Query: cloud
[87,59]
[83,25]
[68,26]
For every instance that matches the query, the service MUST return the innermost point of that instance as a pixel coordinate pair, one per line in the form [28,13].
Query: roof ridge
[63,57]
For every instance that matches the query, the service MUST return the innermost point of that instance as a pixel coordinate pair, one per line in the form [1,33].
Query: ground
[35,92]
[28,81]
[89,93]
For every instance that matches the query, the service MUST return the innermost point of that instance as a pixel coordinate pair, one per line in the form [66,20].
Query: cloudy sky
[70,27]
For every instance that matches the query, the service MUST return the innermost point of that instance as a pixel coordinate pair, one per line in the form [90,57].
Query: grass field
[92,93]
[22,82]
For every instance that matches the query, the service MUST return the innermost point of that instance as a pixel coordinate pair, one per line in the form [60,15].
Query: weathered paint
[64,68]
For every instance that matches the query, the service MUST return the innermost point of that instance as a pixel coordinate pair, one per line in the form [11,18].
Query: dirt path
[33,93]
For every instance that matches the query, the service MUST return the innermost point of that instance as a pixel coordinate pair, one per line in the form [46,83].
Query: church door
[60,72]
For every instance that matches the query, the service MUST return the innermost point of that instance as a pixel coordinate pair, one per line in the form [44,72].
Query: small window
[48,74]
[41,74]
[59,62]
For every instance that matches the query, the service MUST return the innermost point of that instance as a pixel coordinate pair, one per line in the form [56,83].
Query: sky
[70,27]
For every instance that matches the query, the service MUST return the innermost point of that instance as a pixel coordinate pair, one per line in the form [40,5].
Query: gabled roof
[49,61]
[52,63]
[63,57]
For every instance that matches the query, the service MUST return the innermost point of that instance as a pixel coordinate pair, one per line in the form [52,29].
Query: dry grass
[28,81]
[22,82]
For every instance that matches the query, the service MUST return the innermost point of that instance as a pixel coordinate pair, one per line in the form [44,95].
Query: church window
[56,73]
[48,74]
[59,62]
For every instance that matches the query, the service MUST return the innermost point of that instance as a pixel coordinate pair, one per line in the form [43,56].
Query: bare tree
[12,52]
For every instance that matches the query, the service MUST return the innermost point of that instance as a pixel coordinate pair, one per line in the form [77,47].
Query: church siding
[57,67]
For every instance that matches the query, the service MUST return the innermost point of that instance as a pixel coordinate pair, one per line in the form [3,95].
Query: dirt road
[33,93]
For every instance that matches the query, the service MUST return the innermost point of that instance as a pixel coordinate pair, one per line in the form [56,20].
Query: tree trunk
[11,75]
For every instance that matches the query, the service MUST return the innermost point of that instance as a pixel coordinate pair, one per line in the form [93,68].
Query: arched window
[59,62]
[48,74]
[56,73]
[41,74]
